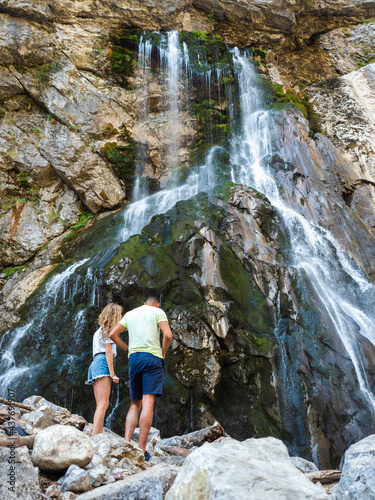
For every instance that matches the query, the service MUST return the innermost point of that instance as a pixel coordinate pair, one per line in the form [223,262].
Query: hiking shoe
[147,456]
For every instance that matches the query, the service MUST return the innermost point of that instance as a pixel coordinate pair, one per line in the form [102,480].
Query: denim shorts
[146,373]
[97,369]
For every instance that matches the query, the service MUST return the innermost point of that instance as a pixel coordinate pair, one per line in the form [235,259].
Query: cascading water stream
[313,249]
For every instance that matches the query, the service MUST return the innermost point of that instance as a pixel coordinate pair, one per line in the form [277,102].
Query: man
[146,363]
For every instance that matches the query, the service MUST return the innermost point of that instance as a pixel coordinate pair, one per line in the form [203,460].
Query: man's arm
[167,336]
[114,335]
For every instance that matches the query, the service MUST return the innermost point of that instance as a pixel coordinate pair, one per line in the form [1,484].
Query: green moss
[206,50]
[83,220]
[44,72]
[249,309]
[262,343]
[9,271]
[123,54]
[23,179]
[285,100]
[122,159]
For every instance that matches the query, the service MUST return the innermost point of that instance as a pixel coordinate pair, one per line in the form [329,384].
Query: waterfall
[313,249]
[345,295]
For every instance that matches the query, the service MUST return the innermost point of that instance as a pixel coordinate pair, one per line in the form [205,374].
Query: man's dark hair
[152,301]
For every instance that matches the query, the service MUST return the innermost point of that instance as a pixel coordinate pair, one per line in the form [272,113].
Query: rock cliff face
[86,126]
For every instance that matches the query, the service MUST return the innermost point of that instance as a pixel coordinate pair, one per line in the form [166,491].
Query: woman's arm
[109,358]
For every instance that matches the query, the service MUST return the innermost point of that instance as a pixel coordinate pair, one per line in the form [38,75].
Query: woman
[101,372]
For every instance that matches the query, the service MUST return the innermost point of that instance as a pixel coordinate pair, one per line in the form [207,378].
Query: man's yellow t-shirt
[142,324]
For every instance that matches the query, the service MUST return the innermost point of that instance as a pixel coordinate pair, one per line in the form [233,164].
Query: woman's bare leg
[102,390]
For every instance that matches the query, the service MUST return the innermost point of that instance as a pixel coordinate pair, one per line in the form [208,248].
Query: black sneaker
[147,456]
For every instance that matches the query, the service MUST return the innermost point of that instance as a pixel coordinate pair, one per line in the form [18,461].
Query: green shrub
[43,74]
[83,220]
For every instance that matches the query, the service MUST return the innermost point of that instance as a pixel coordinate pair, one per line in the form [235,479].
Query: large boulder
[358,474]
[42,417]
[252,469]
[75,479]
[108,448]
[18,476]
[59,446]
[151,484]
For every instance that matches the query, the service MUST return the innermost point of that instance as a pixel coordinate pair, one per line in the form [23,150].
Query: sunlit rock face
[346,101]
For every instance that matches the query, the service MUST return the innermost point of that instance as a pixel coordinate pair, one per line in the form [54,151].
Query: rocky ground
[65,112]
[46,452]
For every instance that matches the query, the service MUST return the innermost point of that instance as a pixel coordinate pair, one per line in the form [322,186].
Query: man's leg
[146,419]
[132,419]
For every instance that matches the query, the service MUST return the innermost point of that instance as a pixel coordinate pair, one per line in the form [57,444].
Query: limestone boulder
[64,417]
[37,401]
[304,465]
[151,484]
[110,448]
[75,479]
[59,446]
[18,476]
[153,436]
[102,451]
[253,469]
[100,475]
[358,474]
[41,418]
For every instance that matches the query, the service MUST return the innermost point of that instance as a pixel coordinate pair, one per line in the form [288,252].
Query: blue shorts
[97,369]
[146,373]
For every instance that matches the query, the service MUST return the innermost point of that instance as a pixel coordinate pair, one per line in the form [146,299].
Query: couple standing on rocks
[146,363]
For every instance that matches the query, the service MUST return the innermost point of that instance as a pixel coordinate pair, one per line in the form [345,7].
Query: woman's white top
[98,344]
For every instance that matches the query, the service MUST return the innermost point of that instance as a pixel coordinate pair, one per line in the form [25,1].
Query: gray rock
[127,464]
[60,446]
[304,465]
[347,107]
[109,449]
[252,469]
[358,474]
[42,417]
[102,451]
[151,484]
[68,495]
[81,169]
[18,476]
[101,475]
[75,479]
[21,41]
[38,401]
[53,491]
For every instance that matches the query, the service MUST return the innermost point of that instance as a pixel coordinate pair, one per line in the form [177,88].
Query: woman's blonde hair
[109,317]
